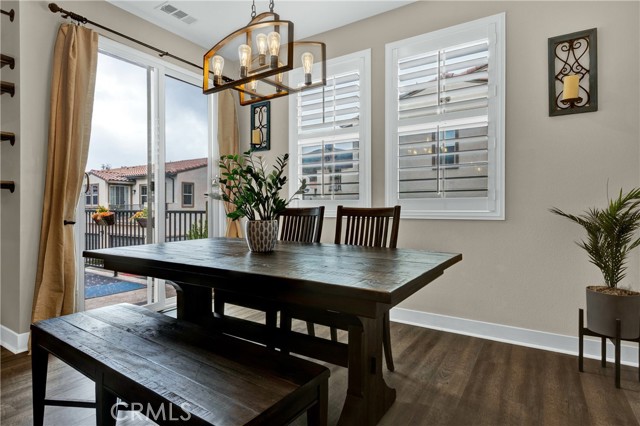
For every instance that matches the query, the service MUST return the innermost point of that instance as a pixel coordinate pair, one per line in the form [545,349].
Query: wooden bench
[174,371]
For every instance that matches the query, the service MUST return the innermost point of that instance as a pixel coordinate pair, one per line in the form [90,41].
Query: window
[143,195]
[118,196]
[91,198]
[187,194]
[162,117]
[329,136]
[445,122]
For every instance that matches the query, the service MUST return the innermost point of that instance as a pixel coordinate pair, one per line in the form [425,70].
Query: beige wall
[10,219]
[21,211]
[199,178]
[524,271]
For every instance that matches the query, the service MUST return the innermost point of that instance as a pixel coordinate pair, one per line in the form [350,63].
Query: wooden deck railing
[179,225]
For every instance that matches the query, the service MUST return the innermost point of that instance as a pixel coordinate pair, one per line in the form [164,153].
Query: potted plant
[103,216]
[141,217]
[245,183]
[611,235]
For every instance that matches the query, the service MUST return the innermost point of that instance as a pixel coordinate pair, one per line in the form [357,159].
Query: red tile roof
[129,173]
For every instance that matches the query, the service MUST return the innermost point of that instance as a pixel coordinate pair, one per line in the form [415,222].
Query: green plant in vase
[103,216]
[255,193]
[141,217]
[612,233]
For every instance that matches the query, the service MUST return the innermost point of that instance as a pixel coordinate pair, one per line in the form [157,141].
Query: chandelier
[262,61]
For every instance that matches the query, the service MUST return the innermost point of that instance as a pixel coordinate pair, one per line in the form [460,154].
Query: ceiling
[210,21]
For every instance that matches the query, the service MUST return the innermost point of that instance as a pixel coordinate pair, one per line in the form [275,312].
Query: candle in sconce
[256,138]
[570,89]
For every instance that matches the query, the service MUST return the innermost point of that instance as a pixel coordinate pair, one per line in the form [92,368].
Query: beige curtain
[72,88]
[229,144]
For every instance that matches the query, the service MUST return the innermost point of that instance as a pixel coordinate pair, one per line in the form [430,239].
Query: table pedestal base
[368,395]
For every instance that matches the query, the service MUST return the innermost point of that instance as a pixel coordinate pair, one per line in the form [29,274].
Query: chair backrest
[373,227]
[302,225]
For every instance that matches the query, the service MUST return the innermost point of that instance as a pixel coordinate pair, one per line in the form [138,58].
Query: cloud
[119,126]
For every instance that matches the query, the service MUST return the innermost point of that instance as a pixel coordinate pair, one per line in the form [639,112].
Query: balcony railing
[179,225]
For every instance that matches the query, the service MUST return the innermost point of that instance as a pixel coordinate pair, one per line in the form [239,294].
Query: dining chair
[303,225]
[359,226]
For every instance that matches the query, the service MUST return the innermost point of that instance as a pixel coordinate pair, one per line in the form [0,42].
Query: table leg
[106,408]
[368,395]
[194,302]
[39,366]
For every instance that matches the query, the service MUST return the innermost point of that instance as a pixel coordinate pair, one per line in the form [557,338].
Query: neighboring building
[126,188]
[331,173]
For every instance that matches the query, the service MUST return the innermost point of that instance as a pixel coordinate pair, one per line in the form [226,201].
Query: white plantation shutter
[332,107]
[445,131]
[329,136]
[448,80]
[444,161]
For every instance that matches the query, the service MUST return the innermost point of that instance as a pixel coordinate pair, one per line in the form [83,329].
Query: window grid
[143,195]
[187,194]
[92,198]
[118,195]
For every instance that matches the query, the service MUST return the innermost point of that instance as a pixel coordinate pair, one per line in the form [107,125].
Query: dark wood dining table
[358,284]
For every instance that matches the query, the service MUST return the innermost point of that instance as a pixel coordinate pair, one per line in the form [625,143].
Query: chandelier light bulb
[307,66]
[253,87]
[273,40]
[244,54]
[218,65]
[261,41]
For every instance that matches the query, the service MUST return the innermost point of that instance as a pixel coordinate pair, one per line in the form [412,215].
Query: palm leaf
[611,234]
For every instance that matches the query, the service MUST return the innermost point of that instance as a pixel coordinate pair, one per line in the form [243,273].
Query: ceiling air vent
[170,9]
[167,8]
[179,14]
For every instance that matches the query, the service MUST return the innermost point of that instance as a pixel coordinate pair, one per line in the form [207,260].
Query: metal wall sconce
[573,73]
[261,126]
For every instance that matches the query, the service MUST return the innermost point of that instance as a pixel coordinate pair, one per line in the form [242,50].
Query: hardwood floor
[440,378]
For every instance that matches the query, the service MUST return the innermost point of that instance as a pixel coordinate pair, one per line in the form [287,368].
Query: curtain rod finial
[54,7]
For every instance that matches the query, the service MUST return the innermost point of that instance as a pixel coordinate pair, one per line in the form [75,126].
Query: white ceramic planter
[261,235]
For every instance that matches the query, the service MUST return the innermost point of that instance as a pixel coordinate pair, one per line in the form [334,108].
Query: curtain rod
[81,19]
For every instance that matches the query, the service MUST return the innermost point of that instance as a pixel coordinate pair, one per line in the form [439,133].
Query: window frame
[160,69]
[93,195]
[183,194]
[125,195]
[335,66]
[491,207]
[143,194]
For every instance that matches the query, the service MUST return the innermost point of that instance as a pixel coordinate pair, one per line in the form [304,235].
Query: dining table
[358,285]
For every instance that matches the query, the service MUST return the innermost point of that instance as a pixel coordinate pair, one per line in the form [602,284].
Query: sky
[119,122]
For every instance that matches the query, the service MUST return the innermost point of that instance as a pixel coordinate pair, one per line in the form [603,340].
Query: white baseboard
[17,343]
[13,341]
[514,335]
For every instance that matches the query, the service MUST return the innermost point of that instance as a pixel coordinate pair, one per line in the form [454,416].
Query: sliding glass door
[149,165]
[186,163]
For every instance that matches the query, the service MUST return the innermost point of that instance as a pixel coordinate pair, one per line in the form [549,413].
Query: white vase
[261,235]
